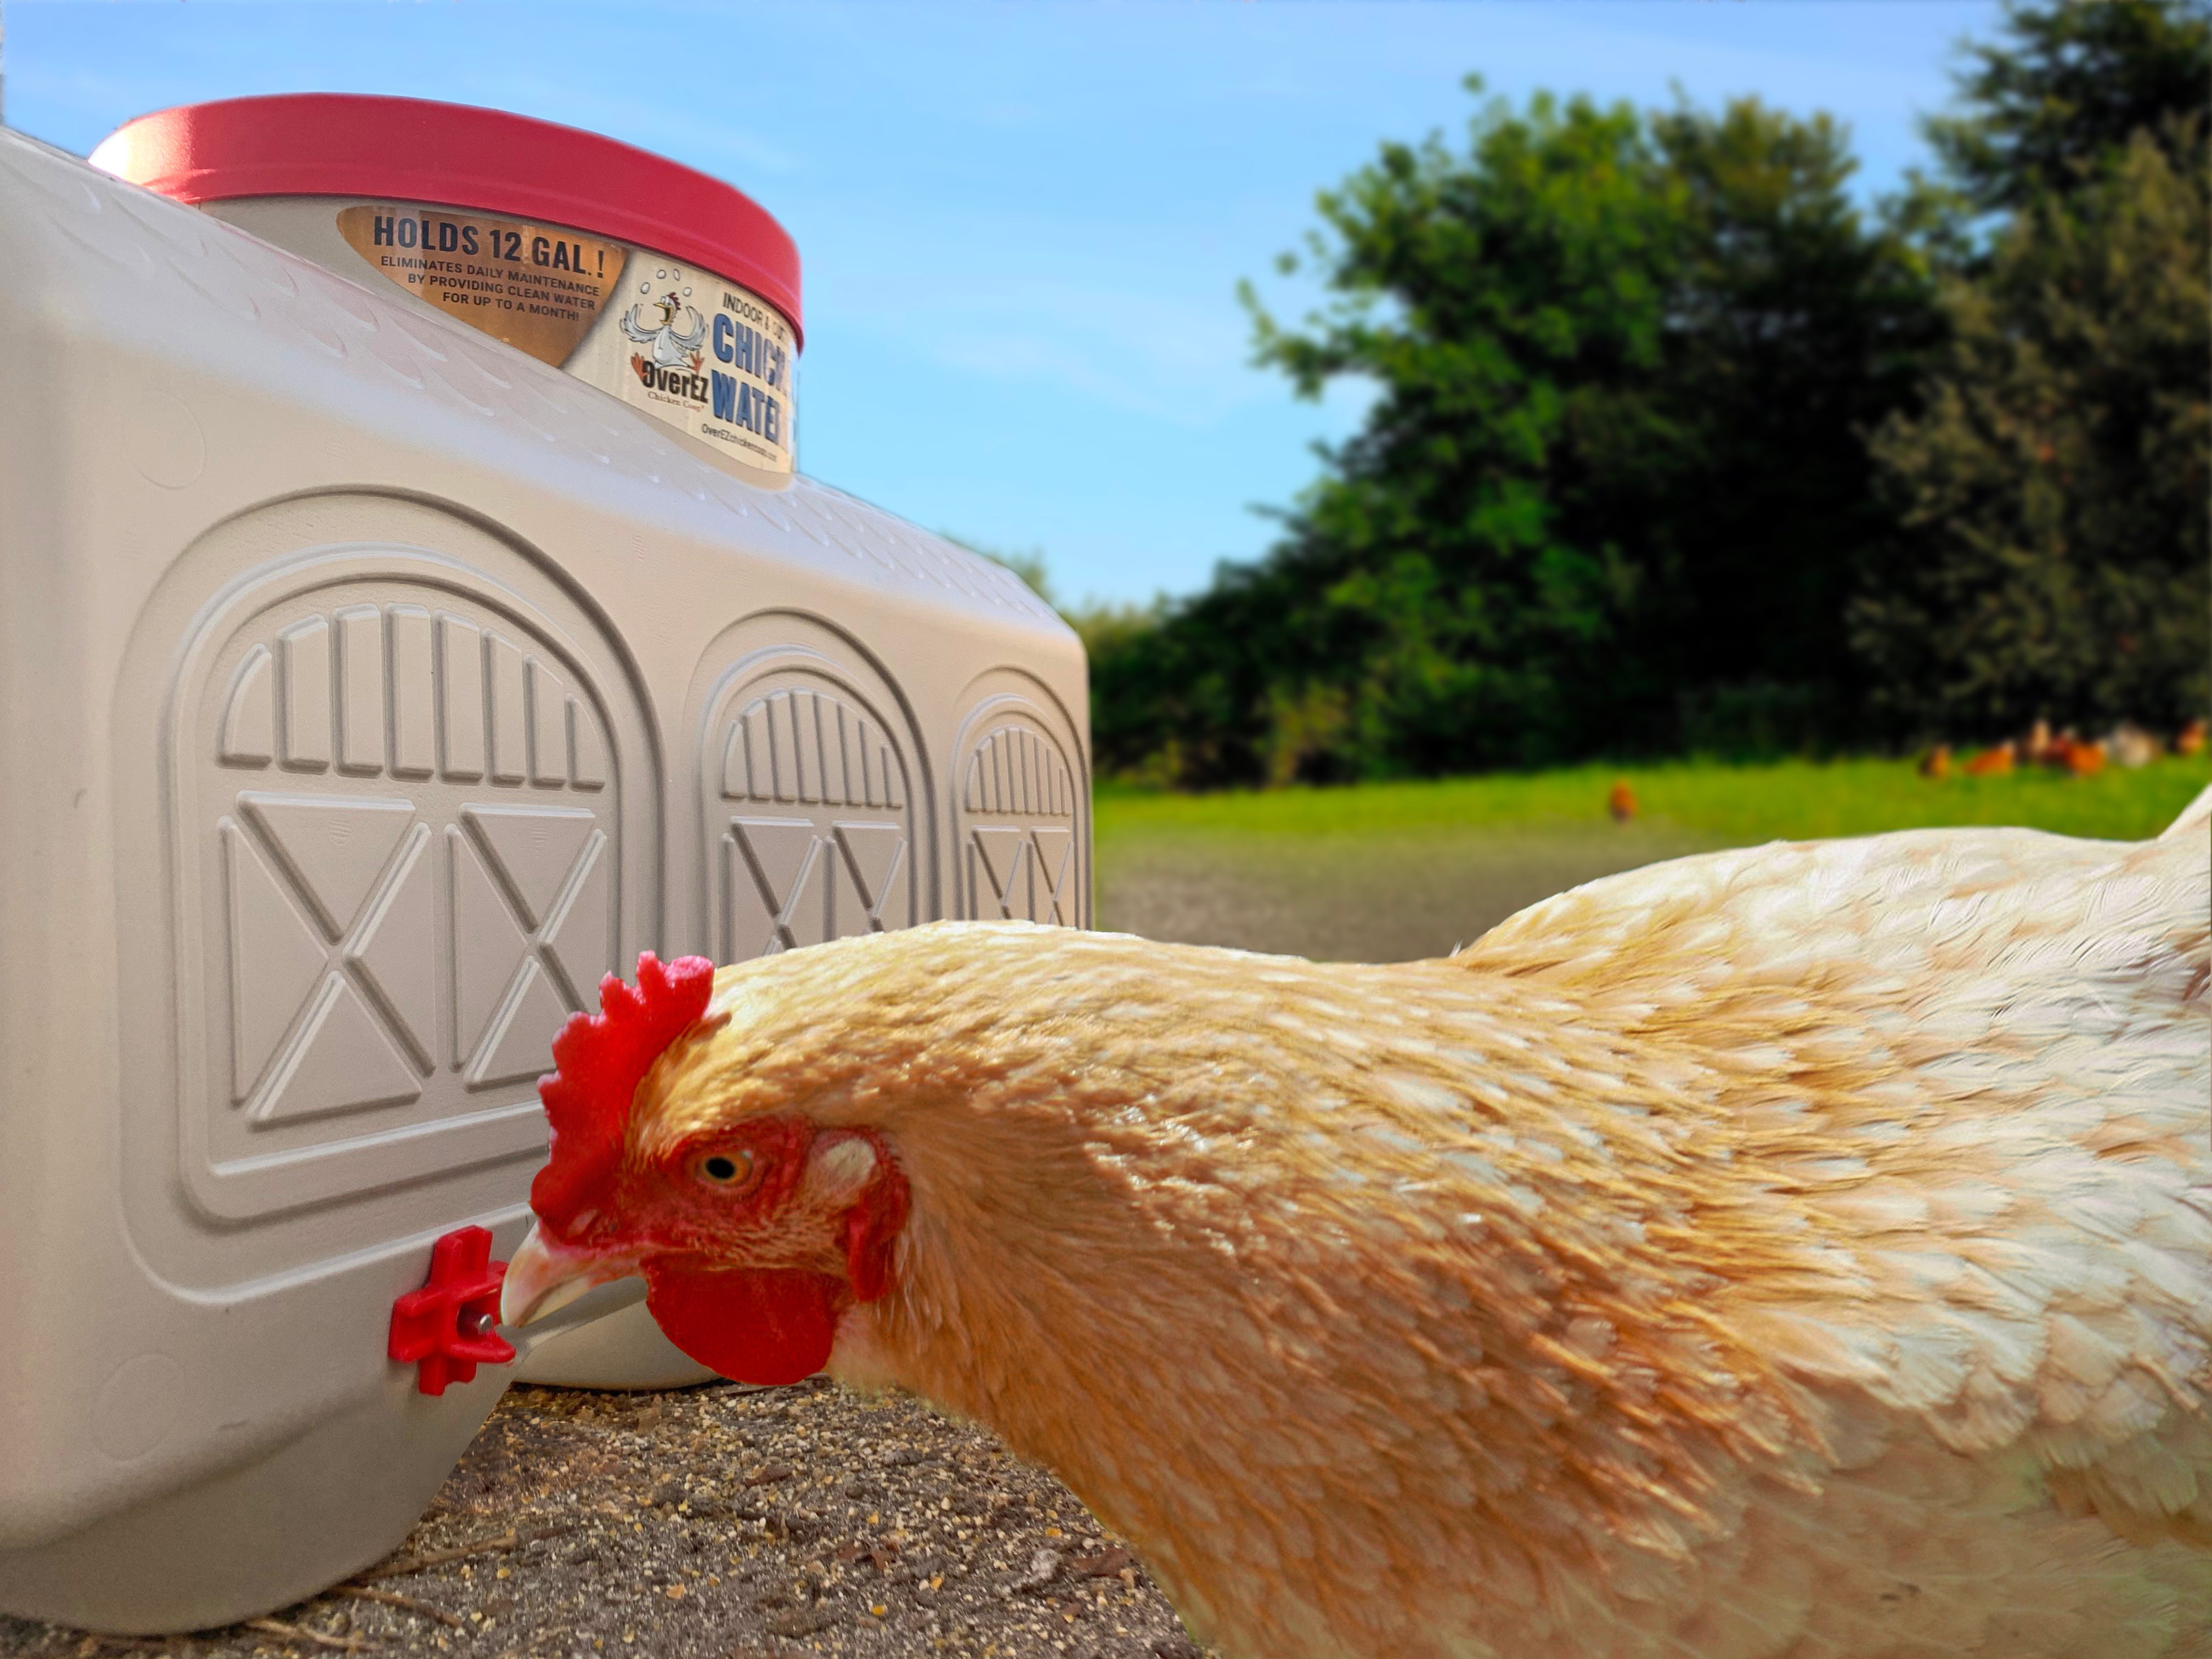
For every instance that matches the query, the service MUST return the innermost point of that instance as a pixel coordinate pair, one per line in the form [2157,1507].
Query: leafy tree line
[1673,446]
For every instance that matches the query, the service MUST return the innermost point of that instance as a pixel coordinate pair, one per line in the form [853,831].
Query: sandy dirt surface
[725,1522]
[1357,898]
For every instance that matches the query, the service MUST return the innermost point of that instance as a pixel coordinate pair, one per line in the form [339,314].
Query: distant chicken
[1804,1250]
[2082,760]
[2131,746]
[1993,762]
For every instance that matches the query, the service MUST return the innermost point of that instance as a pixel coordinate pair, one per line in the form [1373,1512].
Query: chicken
[1804,1250]
[2082,760]
[1993,762]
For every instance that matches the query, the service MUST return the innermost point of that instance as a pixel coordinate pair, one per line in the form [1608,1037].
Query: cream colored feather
[1803,1251]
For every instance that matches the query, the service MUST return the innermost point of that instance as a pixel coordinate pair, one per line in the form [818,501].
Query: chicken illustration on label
[739,400]
[654,323]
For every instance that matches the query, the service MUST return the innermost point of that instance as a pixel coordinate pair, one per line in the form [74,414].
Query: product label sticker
[539,288]
[709,358]
[706,356]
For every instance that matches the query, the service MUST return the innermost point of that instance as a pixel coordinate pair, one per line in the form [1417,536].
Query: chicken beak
[546,1275]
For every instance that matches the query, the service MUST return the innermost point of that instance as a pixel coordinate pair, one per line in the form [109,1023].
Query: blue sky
[1023,224]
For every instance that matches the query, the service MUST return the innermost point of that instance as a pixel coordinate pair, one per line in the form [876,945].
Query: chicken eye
[732,1169]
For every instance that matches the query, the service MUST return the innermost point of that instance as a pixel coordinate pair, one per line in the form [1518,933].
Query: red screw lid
[331,143]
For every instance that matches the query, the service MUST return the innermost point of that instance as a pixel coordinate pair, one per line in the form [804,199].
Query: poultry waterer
[408,613]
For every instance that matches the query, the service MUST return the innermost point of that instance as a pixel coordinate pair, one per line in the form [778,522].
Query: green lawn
[1724,805]
[1386,871]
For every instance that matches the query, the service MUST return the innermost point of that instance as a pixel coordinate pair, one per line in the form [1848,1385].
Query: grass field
[1791,800]
[1379,871]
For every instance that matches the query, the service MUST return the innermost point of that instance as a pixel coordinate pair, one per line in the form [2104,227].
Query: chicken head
[753,1230]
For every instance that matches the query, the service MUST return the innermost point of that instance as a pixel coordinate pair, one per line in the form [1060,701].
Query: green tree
[2064,96]
[1797,327]
[2052,553]
[1609,481]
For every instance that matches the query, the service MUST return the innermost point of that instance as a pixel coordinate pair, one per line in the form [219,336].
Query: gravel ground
[1355,897]
[720,1523]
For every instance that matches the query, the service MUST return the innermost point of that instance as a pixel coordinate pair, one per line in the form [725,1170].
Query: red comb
[600,1060]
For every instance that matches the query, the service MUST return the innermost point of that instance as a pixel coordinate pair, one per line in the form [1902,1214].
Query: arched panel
[814,820]
[1021,815]
[432,809]
[413,808]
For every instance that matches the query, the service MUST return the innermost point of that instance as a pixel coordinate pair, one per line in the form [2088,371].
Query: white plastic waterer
[380,664]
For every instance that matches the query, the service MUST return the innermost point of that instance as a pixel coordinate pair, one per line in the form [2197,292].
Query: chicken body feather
[1797,1252]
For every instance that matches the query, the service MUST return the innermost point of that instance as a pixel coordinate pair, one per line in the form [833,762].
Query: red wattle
[752,1325]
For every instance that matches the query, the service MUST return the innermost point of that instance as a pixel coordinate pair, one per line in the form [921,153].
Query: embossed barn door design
[417,853]
[816,837]
[1020,806]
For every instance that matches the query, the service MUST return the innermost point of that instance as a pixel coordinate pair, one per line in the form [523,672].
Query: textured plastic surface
[367,690]
[328,144]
